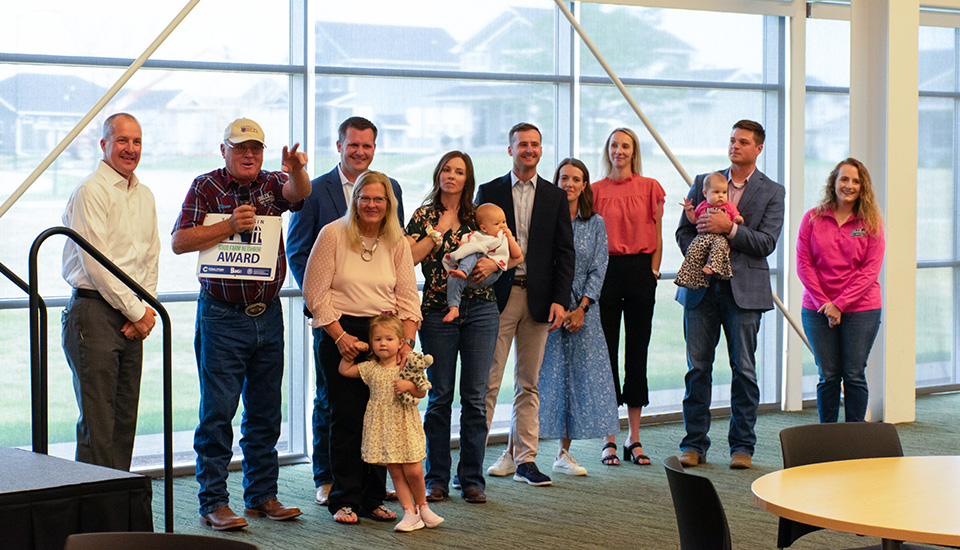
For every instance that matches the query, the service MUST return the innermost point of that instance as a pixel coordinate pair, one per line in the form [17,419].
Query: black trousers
[629,292]
[356,484]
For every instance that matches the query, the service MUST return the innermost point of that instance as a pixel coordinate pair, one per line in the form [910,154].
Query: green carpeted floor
[613,507]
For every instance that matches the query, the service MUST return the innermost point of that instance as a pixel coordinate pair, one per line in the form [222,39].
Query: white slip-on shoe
[411,522]
[566,464]
[429,518]
[504,466]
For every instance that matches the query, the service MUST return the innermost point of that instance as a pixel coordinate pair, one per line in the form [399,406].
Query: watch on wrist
[411,342]
[585,307]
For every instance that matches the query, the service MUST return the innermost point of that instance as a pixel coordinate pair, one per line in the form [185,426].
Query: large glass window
[827,142]
[826,126]
[678,67]
[434,76]
[182,114]
[938,258]
[116,30]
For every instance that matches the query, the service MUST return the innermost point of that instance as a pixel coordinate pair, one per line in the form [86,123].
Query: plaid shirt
[218,192]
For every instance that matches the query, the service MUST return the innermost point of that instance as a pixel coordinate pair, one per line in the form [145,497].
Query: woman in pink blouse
[359,267]
[632,207]
[839,254]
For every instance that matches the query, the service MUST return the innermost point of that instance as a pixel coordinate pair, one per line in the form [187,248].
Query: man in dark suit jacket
[532,297]
[736,304]
[327,202]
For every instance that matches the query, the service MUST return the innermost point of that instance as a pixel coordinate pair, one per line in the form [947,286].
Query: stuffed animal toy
[415,370]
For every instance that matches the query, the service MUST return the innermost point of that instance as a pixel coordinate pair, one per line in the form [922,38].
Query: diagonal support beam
[623,90]
[68,139]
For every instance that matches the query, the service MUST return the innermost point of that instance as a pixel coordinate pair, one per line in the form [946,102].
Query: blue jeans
[455,286]
[322,474]
[701,328]
[841,353]
[238,355]
[474,337]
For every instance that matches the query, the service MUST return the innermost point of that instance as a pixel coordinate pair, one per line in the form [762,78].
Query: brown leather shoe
[474,495]
[740,461]
[435,494]
[273,510]
[689,459]
[222,519]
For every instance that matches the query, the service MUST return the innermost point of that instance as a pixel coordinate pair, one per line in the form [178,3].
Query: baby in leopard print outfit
[709,253]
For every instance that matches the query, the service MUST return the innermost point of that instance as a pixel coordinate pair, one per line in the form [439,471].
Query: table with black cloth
[44,499]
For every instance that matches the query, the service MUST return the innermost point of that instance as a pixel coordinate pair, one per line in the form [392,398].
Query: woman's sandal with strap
[611,459]
[380,513]
[638,459]
[346,516]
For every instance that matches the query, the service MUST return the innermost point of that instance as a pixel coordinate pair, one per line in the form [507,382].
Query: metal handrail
[38,391]
[38,356]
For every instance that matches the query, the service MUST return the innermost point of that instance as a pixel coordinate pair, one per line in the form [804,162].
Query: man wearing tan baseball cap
[239,343]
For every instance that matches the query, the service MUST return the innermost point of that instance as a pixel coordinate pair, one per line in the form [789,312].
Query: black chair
[700,517]
[152,541]
[815,443]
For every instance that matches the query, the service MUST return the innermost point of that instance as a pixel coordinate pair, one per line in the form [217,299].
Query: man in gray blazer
[330,193]
[736,305]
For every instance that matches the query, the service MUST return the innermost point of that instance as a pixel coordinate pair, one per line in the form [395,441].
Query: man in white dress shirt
[104,323]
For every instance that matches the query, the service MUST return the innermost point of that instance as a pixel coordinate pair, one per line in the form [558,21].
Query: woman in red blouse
[632,207]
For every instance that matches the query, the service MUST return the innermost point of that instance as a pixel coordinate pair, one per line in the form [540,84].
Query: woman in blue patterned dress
[577,398]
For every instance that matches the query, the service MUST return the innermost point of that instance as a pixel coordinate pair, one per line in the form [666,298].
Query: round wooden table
[910,498]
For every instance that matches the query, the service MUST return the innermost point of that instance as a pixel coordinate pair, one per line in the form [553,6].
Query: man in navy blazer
[532,297]
[736,305]
[327,202]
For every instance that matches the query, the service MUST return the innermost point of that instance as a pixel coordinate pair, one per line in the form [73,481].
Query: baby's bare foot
[457,274]
[451,315]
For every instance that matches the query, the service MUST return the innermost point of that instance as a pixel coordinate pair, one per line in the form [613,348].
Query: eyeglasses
[379,201]
[246,147]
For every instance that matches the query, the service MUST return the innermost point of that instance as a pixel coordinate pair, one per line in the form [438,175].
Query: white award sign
[251,256]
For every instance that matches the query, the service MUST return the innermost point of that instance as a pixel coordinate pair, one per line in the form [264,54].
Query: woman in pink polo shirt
[839,254]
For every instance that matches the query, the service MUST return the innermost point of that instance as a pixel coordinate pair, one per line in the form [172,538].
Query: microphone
[244,192]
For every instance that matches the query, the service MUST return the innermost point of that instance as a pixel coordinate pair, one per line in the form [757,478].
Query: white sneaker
[323,493]
[504,466]
[566,464]
[411,522]
[429,518]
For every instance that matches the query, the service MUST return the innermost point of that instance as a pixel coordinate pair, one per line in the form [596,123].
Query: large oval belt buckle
[254,310]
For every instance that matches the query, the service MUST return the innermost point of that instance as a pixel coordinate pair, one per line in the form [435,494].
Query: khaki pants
[531,336]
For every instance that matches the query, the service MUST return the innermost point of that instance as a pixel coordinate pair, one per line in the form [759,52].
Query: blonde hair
[634,162]
[486,211]
[864,208]
[389,321]
[390,230]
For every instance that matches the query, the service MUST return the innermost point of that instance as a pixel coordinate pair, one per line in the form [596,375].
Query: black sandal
[612,459]
[380,513]
[638,459]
